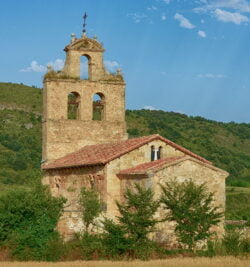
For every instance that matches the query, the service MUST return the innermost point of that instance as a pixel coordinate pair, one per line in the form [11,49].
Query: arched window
[98,107]
[73,106]
[152,153]
[85,63]
[156,153]
[159,153]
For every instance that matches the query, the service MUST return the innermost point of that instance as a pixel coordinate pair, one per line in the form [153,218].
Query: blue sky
[187,56]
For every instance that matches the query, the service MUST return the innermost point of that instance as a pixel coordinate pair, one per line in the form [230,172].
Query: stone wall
[67,183]
[187,169]
[135,157]
[62,136]
[95,64]
[93,51]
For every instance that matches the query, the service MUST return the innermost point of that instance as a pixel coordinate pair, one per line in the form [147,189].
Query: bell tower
[79,112]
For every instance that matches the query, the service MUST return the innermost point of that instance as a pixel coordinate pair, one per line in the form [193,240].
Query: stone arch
[85,67]
[98,107]
[74,101]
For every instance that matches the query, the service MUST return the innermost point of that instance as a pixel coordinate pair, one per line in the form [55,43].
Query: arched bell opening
[98,107]
[85,67]
[73,106]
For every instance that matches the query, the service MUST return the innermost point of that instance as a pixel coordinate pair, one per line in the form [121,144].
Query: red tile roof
[104,153]
[149,166]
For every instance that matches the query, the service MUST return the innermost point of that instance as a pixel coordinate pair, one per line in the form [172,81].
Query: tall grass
[176,262]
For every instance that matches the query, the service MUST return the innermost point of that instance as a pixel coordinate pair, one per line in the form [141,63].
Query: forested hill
[225,144]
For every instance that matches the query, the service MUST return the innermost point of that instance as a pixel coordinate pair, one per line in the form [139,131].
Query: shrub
[115,241]
[91,246]
[28,218]
[235,242]
[191,207]
[90,206]
[137,212]
[130,235]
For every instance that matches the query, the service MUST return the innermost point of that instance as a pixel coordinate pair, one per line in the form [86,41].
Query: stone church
[85,143]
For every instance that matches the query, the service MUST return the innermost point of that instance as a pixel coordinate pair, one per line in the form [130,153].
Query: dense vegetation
[226,144]
[28,218]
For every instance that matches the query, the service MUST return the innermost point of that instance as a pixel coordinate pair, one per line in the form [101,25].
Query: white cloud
[184,22]
[163,17]
[211,76]
[239,5]
[226,16]
[36,67]
[150,108]
[152,8]
[111,65]
[202,21]
[166,1]
[58,64]
[137,17]
[202,34]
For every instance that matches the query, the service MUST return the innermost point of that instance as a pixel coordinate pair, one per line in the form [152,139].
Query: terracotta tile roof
[104,153]
[149,166]
[144,169]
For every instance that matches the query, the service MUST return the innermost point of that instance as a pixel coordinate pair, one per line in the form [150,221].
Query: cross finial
[84,24]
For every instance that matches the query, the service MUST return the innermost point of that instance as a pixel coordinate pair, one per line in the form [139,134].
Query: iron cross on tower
[84,24]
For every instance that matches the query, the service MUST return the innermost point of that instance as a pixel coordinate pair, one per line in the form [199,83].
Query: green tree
[28,218]
[136,221]
[191,206]
[90,206]
[115,240]
[137,212]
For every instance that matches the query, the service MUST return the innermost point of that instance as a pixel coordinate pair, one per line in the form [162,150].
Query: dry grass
[175,262]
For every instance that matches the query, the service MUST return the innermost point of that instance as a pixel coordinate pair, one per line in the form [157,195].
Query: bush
[90,206]
[129,237]
[137,213]
[28,218]
[235,242]
[91,246]
[191,207]
[115,241]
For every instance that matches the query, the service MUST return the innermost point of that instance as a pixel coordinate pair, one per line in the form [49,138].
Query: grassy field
[232,190]
[176,262]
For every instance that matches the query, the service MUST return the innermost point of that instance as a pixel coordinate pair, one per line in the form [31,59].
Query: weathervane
[84,24]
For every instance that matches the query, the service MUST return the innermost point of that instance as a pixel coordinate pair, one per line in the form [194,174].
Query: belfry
[79,112]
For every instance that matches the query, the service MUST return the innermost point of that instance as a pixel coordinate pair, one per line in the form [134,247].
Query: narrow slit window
[152,153]
[159,153]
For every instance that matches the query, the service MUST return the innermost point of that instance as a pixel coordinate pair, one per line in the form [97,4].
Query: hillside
[226,144]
